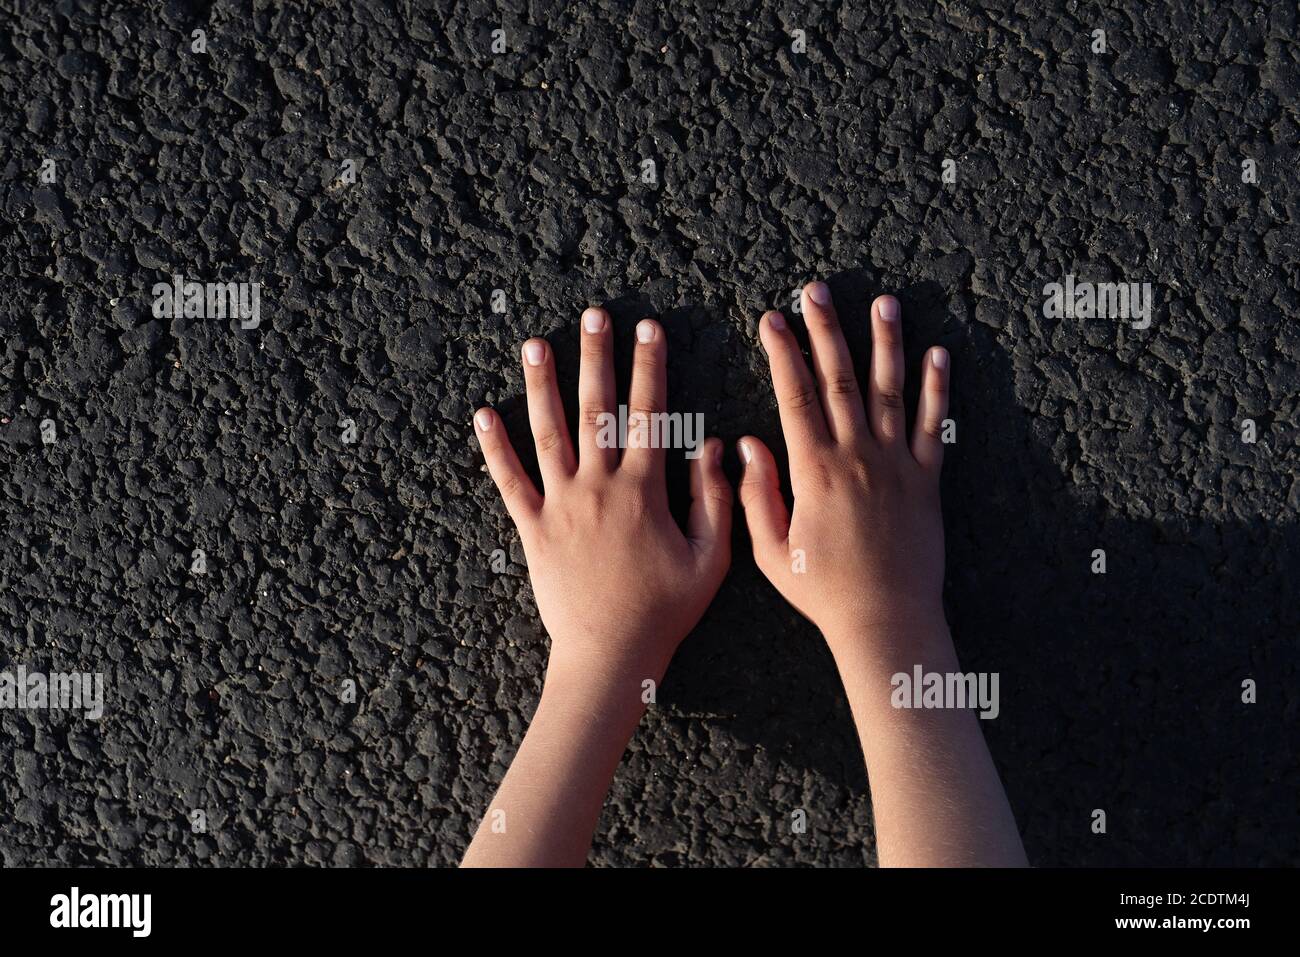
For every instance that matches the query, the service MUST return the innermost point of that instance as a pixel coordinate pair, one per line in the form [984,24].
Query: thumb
[709,524]
[760,494]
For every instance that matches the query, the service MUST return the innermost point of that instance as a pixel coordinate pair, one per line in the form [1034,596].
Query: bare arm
[546,810]
[936,795]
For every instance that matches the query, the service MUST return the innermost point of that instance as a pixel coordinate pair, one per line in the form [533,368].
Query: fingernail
[717,454]
[820,293]
[534,352]
[940,358]
[746,452]
[645,331]
[888,309]
[483,419]
[776,321]
[593,320]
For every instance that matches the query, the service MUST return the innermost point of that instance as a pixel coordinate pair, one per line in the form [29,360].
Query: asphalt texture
[523,171]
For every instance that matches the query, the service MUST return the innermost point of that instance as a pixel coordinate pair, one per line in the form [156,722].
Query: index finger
[802,418]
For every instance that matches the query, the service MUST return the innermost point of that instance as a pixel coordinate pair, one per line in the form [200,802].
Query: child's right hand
[862,557]
[862,554]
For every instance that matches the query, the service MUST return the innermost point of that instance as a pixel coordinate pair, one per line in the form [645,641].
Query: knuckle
[842,383]
[597,496]
[823,316]
[801,397]
[751,489]
[719,495]
[590,413]
[645,362]
[548,440]
[817,474]
[890,397]
[636,507]
[859,471]
[510,487]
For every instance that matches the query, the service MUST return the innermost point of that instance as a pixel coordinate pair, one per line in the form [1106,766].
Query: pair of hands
[617,583]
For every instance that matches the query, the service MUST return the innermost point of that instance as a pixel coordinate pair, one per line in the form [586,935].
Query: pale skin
[865,530]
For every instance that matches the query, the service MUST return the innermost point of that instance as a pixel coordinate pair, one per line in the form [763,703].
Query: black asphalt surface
[522,171]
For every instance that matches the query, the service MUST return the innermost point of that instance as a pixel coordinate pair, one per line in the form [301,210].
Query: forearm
[935,792]
[546,810]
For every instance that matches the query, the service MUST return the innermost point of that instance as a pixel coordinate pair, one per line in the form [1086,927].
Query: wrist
[892,641]
[601,656]
[616,686]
